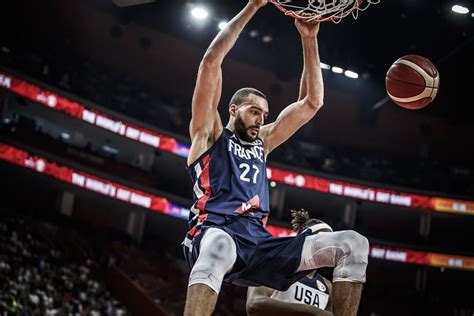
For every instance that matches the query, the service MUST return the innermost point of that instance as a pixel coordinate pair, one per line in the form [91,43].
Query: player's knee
[216,257]
[357,245]
[352,265]
[217,250]
[224,251]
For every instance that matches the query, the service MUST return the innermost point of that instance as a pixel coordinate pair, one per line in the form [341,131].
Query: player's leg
[346,298]
[347,252]
[200,300]
[217,255]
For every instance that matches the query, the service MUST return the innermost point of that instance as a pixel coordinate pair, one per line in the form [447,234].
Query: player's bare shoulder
[263,135]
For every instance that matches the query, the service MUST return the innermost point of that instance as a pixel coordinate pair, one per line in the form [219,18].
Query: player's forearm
[269,306]
[226,38]
[311,86]
[303,83]
[304,75]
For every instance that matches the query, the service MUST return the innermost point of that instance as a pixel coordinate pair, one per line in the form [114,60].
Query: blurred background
[95,102]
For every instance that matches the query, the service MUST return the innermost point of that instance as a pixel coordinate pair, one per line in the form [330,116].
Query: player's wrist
[254,6]
[257,4]
[308,37]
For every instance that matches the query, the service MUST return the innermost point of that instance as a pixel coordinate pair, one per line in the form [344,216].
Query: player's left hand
[307,29]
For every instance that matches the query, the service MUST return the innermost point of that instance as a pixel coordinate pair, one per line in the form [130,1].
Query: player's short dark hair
[242,94]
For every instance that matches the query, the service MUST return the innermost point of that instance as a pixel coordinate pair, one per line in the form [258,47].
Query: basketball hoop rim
[328,19]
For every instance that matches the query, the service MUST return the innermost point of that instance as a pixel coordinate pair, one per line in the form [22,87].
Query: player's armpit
[217,129]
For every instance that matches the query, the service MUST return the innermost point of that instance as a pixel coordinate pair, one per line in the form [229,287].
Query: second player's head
[248,110]
[301,220]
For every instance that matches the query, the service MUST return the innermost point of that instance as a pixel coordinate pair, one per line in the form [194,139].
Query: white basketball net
[323,10]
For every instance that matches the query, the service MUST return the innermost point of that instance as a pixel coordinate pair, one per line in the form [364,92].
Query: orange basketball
[412,82]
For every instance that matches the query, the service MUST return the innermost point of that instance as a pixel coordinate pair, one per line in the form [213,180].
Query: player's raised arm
[311,94]
[207,91]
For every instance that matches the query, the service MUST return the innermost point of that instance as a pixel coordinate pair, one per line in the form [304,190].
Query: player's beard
[242,130]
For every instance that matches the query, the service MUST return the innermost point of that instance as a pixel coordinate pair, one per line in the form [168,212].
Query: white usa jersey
[306,291]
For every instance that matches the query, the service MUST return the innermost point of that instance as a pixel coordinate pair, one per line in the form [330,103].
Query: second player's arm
[311,94]
[260,303]
[329,305]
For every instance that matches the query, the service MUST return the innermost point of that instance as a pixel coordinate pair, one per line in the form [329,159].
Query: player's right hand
[259,3]
[307,28]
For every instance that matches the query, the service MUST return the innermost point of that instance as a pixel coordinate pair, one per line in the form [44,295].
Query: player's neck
[311,275]
[230,126]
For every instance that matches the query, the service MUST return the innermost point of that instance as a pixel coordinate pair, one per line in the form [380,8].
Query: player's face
[250,116]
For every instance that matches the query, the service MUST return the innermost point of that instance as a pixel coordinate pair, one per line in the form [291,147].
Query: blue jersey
[230,179]
[231,194]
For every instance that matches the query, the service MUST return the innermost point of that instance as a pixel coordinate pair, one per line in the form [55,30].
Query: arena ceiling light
[253,33]
[325,66]
[337,70]
[267,39]
[222,25]
[351,74]
[199,13]
[460,9]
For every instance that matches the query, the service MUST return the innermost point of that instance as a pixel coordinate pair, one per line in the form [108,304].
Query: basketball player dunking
[228,241]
